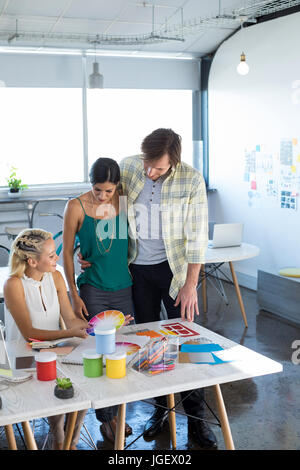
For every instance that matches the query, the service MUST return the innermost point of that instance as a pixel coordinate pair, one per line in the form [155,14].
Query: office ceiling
[181,27]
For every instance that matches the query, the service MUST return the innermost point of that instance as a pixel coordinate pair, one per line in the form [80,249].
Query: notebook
[75,357]
[226,235]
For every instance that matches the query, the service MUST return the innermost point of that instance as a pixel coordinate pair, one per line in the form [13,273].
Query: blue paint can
[105,340]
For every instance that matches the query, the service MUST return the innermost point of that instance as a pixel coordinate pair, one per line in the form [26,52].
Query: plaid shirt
[184,215]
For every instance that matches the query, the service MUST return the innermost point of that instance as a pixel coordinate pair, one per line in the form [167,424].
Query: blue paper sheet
[210,347]
[195,349]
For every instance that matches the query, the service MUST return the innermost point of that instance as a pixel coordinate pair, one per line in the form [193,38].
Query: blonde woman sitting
[35,296]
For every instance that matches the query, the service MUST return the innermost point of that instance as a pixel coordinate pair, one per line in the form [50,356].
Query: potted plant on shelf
[15,185]
[64,388]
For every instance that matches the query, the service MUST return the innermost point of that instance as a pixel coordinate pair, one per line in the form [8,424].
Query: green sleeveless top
[109,269]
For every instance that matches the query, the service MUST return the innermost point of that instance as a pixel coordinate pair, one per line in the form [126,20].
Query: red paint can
[46,366]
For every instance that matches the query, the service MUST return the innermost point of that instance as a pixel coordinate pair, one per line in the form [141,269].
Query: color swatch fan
[129,348]
[109,319]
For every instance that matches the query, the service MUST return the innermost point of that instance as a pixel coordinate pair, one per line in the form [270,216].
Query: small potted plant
[15,185]
[63,388]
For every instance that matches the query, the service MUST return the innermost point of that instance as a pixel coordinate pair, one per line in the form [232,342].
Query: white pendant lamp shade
[243,67]
[96,79]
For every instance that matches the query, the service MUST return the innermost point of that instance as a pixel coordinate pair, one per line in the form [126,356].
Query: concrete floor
[264,412]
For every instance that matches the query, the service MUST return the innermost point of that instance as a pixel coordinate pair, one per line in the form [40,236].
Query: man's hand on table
[188,298]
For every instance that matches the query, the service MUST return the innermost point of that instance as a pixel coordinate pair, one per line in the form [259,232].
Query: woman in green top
[97,218]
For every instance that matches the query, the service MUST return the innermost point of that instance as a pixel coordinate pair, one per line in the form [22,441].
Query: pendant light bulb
[243,67]
[96,79]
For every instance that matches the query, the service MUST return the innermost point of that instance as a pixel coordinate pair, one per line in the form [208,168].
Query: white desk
[35,399]
[103,391]
[219,256]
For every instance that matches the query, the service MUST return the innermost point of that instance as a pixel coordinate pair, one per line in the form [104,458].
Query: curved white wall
[257,109]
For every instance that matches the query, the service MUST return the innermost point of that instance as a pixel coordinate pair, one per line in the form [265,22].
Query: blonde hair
[28,244]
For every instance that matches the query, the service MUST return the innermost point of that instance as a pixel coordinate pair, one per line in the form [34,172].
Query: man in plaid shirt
[167,213]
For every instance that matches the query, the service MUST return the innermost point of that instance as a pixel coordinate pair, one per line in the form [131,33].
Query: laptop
[6,371]
[226,235]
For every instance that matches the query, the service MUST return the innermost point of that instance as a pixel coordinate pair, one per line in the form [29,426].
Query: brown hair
[160,142]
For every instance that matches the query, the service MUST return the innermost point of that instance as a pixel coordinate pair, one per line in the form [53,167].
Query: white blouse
[43,305]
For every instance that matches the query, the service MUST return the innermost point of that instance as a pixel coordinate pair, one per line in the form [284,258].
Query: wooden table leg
[203,282]
[10,436]
[238,293]
[172,419]
[71,421]
[223,418]
[29,437]
[120,431]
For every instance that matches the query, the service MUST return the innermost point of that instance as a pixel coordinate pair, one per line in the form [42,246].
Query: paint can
[116,365]
[45,366]
[92,363]
[105,340]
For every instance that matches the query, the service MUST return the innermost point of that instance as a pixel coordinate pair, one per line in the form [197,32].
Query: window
[118,120]
[42,128]
[41,134]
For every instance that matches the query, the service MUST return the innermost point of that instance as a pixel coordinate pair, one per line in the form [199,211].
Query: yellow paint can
[116,365]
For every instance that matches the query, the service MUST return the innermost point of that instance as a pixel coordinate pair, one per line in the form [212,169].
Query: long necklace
[99,238]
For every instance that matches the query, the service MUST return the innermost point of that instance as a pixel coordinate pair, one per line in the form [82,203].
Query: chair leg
[10,436]
[120,431]
[238,293]
[172,419]
[88,437]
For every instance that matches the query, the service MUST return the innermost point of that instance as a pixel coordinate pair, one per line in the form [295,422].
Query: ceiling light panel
[143,14]
[127,28]
[86,27]
[96,9]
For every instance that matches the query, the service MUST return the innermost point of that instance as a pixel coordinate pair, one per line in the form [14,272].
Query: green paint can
[92,363]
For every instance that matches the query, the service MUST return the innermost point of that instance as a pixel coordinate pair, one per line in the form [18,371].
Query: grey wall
[45,70]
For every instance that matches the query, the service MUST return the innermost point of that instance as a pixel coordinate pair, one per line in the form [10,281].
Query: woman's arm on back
[70,228]
[72,218]
[14,297]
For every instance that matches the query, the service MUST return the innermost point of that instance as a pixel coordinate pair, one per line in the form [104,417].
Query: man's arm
[196,233]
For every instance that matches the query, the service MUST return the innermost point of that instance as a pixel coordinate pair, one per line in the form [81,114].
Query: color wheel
[109,318]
